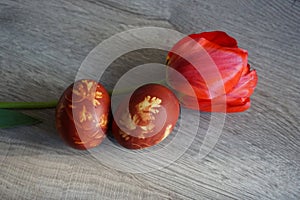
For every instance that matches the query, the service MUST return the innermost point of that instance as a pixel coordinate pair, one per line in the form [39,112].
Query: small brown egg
[147,118]
[82,114]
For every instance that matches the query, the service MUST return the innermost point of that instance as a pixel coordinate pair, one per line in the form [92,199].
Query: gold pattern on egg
[124,135]
[89,92]
[145,113]
[149,105]
[126,121]
[79,91]
[84,115]
[148,128]
[94,135]
[167,131]
[89,84]
[96,102]
[79,142]
[146,109]
[98,95]
[103,121]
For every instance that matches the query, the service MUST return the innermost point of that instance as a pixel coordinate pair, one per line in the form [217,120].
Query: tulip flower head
[222,83]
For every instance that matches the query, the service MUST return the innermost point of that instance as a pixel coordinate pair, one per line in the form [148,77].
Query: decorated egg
[146,118]
[82,114]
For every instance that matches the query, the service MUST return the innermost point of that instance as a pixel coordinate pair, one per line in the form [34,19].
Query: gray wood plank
[43,43]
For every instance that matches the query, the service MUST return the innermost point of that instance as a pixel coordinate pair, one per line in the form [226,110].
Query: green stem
[28,105]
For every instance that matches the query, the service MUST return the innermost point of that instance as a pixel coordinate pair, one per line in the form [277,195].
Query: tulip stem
[28,105]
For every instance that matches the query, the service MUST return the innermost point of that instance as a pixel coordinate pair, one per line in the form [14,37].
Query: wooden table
[42,45]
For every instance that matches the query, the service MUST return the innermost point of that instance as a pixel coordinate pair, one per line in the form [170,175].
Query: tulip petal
[216,73]
[246,70]
[241,104]
[245,87]
[239,108]
[229,63]
[218,37]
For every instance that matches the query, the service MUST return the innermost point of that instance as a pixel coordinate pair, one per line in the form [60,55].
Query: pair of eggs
[142,120]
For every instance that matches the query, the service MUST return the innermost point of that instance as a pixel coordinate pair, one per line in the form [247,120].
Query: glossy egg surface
[82,114]
[146,118]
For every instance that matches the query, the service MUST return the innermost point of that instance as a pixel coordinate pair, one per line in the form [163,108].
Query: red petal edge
[218,37]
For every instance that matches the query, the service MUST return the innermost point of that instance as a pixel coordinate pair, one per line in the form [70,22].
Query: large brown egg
[147,118]
[82,114]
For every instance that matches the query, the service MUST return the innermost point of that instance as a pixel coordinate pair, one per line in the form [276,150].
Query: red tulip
[215,68]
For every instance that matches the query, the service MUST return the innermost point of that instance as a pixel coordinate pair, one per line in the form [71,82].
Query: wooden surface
[43,43]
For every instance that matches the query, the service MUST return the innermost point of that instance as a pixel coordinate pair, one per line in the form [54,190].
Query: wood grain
[43,43]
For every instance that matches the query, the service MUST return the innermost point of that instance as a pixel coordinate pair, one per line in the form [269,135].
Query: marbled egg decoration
[82,114]
[147,118]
